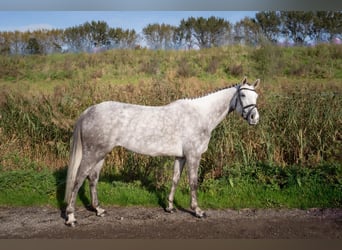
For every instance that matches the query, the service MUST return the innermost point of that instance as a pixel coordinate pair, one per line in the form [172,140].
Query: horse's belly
[154,148]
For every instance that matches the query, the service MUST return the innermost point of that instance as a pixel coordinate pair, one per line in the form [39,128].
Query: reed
[300,116]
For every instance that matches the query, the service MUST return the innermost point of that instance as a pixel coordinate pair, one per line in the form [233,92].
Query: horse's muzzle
[253,117]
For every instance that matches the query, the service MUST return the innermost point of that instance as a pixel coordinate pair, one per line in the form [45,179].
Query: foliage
[297,27]
[318,26]
[269,23]
[97,35]
[204,32]
[160,36]
[33,46]
[294,150]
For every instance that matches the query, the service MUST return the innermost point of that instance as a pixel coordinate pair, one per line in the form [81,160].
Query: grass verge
[294,188]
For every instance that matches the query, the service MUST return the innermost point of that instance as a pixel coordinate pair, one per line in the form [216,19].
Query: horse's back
[143,129]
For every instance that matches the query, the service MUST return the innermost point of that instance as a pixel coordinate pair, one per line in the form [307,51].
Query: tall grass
[300,127]
[300,116]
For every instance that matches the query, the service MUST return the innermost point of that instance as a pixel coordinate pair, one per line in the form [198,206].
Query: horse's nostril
[252,117]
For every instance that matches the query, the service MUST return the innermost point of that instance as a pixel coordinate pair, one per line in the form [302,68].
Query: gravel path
[151,223]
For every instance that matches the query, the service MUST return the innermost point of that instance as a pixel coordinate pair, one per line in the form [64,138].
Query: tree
[269,23]
[5,43]
[96,32]
[297,25]
[159,36]
[54,41]
[74,38]
[33,46]
[18,44]
[334,23]
[184,33]
[247,31]
[120,38]
[328,24]
[204,32]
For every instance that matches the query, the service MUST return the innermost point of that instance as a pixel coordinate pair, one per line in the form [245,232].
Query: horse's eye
[243,95]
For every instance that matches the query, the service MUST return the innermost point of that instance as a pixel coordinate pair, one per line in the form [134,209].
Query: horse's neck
[214,107]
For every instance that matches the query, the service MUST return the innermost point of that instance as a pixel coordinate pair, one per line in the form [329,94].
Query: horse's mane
[212,92]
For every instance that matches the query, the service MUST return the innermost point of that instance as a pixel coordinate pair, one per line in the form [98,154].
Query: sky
[137,20]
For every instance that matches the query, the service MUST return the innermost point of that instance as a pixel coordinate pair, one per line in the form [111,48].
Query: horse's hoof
[170,210]
[71,224]
[71,221]
[201,215]
[100,212]
[103,214]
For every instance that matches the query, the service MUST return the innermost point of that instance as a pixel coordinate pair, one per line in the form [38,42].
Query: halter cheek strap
[238,98]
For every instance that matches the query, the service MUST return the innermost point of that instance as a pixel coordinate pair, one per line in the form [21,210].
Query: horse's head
[246,101]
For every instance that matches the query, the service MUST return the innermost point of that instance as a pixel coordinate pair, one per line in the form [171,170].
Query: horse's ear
[244,81]
[256,84]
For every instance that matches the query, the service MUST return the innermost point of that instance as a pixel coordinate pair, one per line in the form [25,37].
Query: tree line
[293,27]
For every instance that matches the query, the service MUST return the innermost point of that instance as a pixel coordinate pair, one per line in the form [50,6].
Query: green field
[292,158]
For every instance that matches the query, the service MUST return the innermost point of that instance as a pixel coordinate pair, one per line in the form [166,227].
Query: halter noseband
[247,106]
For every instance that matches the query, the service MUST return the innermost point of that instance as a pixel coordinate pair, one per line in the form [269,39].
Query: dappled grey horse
[181,129]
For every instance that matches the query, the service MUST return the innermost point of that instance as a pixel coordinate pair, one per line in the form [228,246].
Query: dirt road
[151,223]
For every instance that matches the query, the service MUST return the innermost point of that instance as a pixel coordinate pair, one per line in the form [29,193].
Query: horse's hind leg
[93,180]
[178,168]
[87,166]
[70,210]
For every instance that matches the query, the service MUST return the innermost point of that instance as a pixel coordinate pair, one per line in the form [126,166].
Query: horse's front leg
[193,165]
[177,172]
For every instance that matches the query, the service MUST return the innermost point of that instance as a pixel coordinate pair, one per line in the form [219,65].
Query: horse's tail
[74,161]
